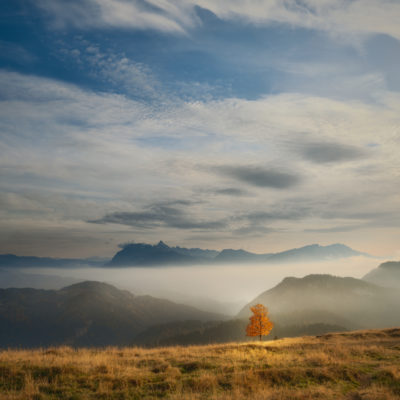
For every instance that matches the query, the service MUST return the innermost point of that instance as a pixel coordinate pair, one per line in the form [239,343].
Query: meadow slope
[353,365]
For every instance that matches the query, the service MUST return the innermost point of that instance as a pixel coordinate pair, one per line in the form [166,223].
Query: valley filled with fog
[219,288]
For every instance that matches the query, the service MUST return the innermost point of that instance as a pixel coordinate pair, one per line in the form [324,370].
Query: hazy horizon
[260,252]
[228,286]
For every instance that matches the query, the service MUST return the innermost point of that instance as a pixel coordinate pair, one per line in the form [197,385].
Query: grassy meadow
[356,365]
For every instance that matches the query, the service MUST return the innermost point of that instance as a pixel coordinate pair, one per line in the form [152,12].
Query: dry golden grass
[360,365]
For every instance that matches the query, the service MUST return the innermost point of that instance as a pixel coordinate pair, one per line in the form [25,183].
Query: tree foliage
[260,324]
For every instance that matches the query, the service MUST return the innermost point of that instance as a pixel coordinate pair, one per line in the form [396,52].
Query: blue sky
[250,124]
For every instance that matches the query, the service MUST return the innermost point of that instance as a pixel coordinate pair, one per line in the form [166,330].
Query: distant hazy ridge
[142,254]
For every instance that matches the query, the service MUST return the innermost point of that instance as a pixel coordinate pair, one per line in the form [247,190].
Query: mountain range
[313,305]
[84,314]
[350,302]
[142,254]
[11,260]
[98,314]
[387,274]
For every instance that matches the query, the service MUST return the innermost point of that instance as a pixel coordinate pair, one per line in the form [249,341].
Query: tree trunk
[260,338]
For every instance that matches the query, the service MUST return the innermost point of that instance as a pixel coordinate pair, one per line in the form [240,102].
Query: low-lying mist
[219,288]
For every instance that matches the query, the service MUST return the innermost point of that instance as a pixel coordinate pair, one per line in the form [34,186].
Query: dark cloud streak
[325,153]
[231,192]
[161,215]
[259,176]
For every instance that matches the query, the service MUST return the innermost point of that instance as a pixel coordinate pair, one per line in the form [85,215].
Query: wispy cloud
[339,17]
[120,73]
[371,16]
[165,15]
[336,229]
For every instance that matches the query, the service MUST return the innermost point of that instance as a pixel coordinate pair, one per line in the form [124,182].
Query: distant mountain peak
[95,287]
[162,245]
[89,285]
[387,274]
[390,265]
[323,298]
[142,254]
[233,251]
[318,280]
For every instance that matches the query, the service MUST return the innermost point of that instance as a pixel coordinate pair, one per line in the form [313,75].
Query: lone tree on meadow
[259,325]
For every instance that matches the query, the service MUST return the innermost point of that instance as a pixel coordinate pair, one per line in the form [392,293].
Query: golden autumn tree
[260,324]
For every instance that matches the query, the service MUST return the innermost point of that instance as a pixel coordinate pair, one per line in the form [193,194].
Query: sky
[255,124]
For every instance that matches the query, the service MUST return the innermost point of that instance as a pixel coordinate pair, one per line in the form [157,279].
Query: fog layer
[223,288]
